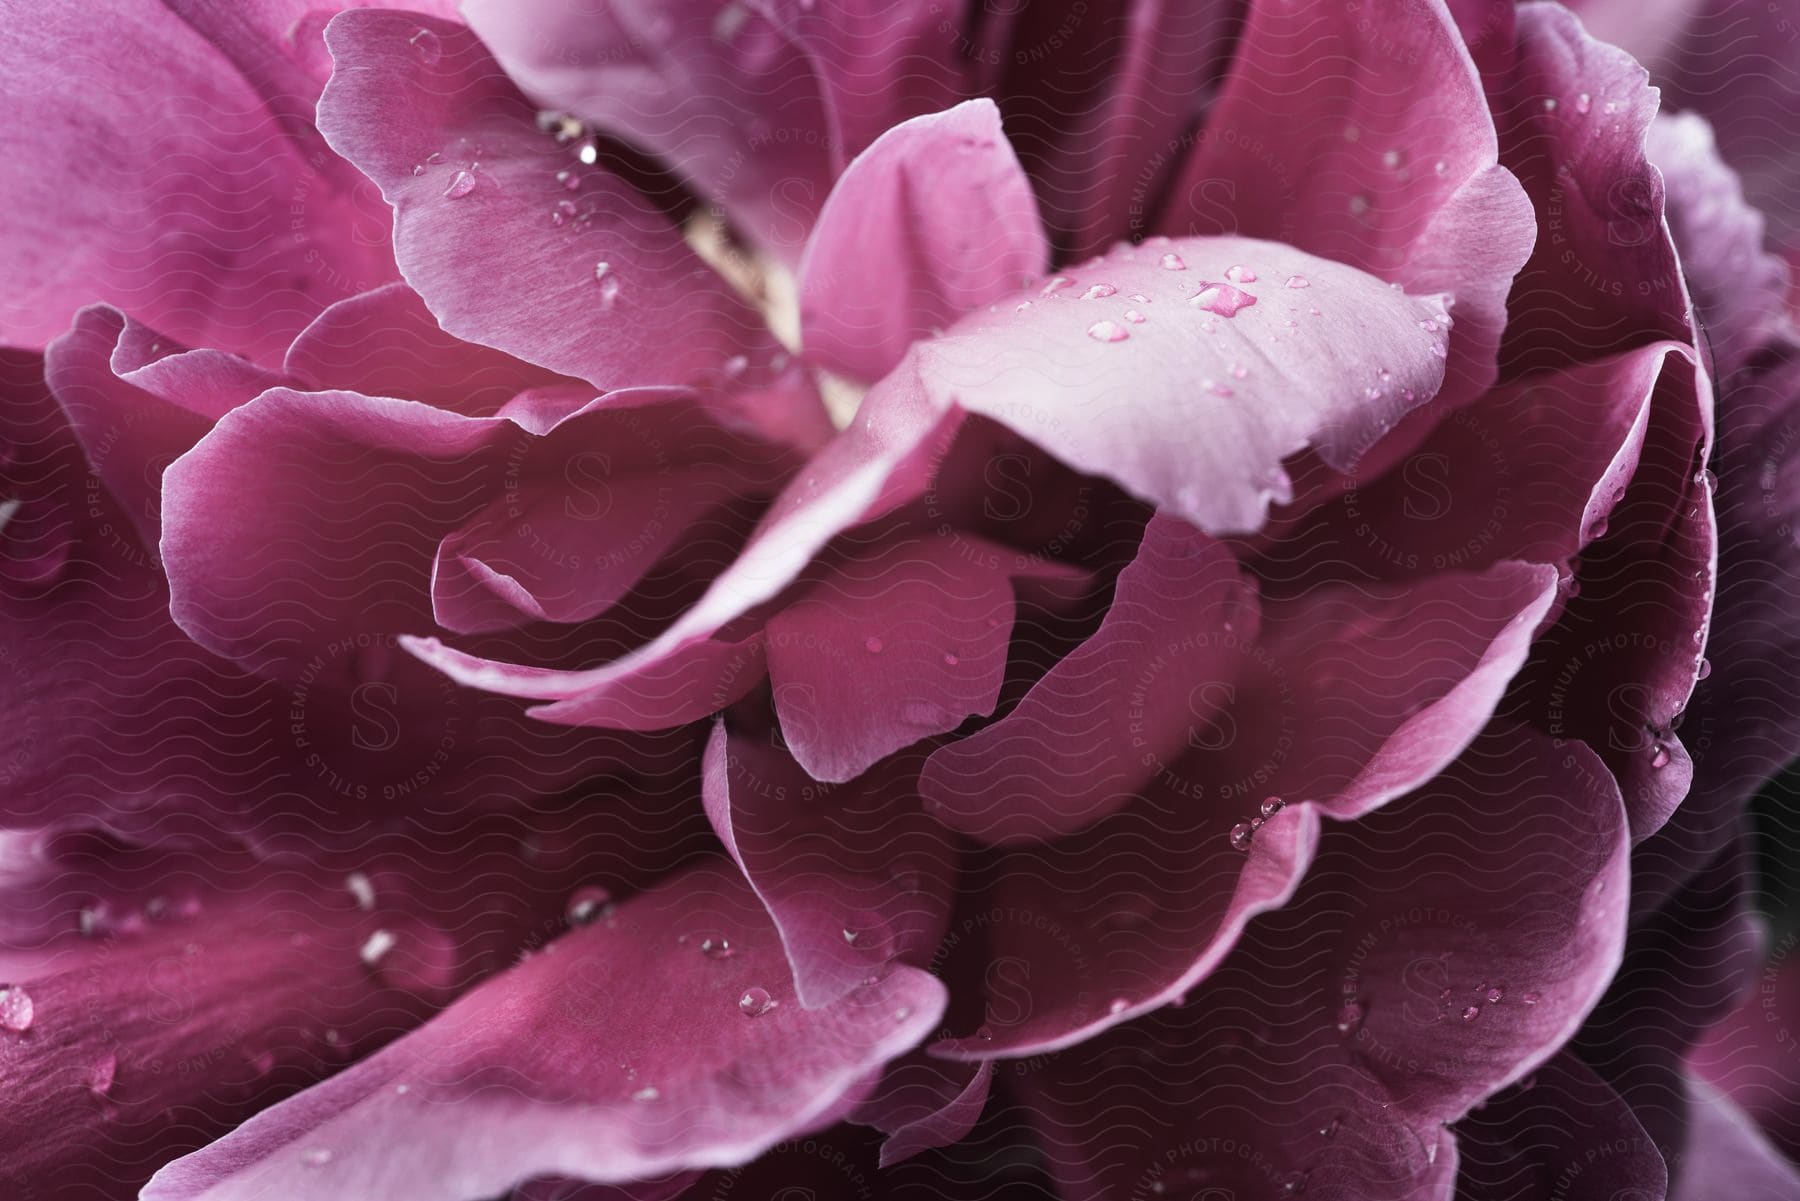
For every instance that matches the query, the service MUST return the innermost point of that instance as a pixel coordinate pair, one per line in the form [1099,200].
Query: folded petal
[923,1103]
[1538,1139]
[853,876]
[668,1038]
[593,282]
[170,177]
[385,342]
[1572,113]
[1725,1153]
[900,642]
[940,217]
[1431,958]
[1383,157]
[724,90]
[137,403]
[1187,370]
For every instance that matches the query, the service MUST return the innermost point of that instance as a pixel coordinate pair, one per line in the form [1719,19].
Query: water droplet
[609,293]
[1349,1018]
[1021,306]
[1583,103]
[1704,670]
[648,1093]
[1329,1129]
[1359,205]
[377,945]
[1241,835]
[1237,273]
[872,644]
[1239,371]
[1107,331]
[1530,998]
[755,1002]
[1099,291]
[717,948]
[1495,993]
[425,44]
[1272,806]
[1221,298]
[1056,284]
[1659,756]
[850,936]
[588,153]
[316,1157]
[1172,262]
[400,1090]
[950,660]
[1133,316]
[1392,158]
[902,1013]
[1549,104]
[1298,281]
[1296,1183]
[16,1009]
[586,903]
[1705,476]
[461,184]
[418,168]
[1470,1013]
[1119,1005]
[102,1075]
[569,180]
[361,889]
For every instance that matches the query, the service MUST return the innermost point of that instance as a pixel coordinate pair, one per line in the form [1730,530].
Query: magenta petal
[1385,161]
[1739,289]
[669,1038]
[172,183]
[1196,406]
[1430,959]
[1610,267]
[1160,674]
[923,1103]
[607,291]
[1726,1155]
[853,876]
[724,91]
[137,403]
[899,643]
[385,342]
[931,221]
[1539,1137]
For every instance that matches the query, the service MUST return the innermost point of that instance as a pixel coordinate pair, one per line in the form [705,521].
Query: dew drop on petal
[1530,998]
[418,168]
[585,904]
[1349,1018]
[1659,756]
[755,1002]
[16,1009]
[1470,1013]
[1119,1005]
[1704,670]
[316,1157]
[1173,262]
[461,184]
[1133,316]
[717,948]
[1237,273]
[1583,103]
[1272,806]
[425,44]
[569,180]
[1495,993]
[1239,371]
[102,1074]
[1055,284]
[1298,281]
[377,945]
[1329,1129]
[1241,834]
[872,644]
[1107,331]
[648,1093]
[1222,299]
[1099,291]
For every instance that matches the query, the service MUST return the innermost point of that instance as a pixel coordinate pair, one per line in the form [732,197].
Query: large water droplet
[16,1009]
[426,45]
[461,184]
[1107,331]
[1272,805]
[1099,291]
[1173,262]
[1237,273]
[1704,670]
[755,1002]
[1241,836]
[1221,298]
[717,948]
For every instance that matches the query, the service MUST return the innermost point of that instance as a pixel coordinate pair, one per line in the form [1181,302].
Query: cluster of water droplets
[1244,833]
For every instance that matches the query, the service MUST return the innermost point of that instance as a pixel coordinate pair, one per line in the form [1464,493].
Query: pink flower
[1143,560]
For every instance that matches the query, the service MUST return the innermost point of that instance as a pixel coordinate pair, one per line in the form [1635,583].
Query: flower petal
[521,1077]
[1384,160]
[168,177]
[923,1103]
[1330,1048]
[854,877]
[1725,1153]
[606,292]
[932,220]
